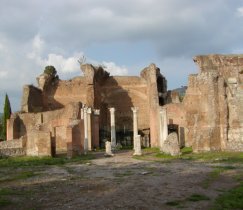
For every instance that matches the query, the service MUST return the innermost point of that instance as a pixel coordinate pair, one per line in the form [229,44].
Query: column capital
[85,110]
[96,112]
[89,110]
[112,110]
[162,110]
[134,109]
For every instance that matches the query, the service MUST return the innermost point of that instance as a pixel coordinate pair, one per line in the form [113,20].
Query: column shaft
[113,128]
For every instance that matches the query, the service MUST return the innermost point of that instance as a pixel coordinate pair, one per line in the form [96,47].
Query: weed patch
[198,197]
[173,203]
[19,176]
[4,202]
[232,199]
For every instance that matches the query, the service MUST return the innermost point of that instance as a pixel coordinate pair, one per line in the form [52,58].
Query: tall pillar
[96,128]
[89,112]
[85,109]
[135,124]
[113,128]
[163,125]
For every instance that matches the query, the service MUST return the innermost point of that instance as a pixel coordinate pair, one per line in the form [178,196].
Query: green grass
[227,157]
[187,154]
[4,202]
[173,203]
[7,191]
[214,175]
[4,192]
[192,198]
[232,199]
[186,150]
[151,150]
[41,161]
[18,176]
[198,197]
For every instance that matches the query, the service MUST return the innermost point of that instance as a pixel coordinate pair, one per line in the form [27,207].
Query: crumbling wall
[213,103]
[151,75]
[75,139]
[122,93]
[39,142]
[15,147]
[31,99]
[176,120]
[60,94]
[54,122]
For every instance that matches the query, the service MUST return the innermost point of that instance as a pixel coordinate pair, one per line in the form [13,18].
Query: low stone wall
[13,144]
[14,147]
[13,152]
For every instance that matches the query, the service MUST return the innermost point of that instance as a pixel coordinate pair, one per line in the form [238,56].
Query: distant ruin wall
[62,93]
[122,93]
[31,99]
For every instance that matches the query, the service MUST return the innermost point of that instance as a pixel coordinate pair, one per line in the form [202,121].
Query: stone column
[85,130]
[113,128]
[96,128]
[89,112]
[163,125]
[135,124]
[137,143]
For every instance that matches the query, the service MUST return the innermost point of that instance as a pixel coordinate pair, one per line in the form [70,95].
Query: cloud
[119,34]
[114,69]
[240,11]
[3,74]
[67,64]
[62,64]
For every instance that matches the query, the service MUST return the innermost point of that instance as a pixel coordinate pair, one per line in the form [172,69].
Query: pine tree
[6,115]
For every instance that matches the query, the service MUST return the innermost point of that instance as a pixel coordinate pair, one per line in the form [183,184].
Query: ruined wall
[75,138]
[213,102]
[31,99]
[122,93]
[16,147]
[176,120]
[38,143]
[151,75]
[54,122]
[61,93]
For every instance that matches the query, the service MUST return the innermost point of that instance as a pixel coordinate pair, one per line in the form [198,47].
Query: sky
[124,36]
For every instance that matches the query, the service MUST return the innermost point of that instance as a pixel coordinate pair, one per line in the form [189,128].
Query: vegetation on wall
[50,70]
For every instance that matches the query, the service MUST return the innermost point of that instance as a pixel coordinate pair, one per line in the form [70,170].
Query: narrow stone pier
[85,130]
[113,128]
[163,126]
[135,125]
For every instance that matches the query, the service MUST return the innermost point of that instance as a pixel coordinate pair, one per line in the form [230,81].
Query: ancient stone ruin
[78,115]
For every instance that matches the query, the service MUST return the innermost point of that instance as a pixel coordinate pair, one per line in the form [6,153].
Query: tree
[6,115]
[50,70]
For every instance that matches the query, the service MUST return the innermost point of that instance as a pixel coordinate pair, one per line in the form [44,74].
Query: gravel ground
[119,182]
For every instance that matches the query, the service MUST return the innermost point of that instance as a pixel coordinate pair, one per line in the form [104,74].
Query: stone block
[171,145]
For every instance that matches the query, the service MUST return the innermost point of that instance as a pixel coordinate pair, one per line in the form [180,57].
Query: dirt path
[120,182]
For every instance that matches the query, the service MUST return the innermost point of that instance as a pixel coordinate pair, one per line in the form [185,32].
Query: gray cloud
[176,30]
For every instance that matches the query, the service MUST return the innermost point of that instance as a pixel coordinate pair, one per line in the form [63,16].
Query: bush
[50,70]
